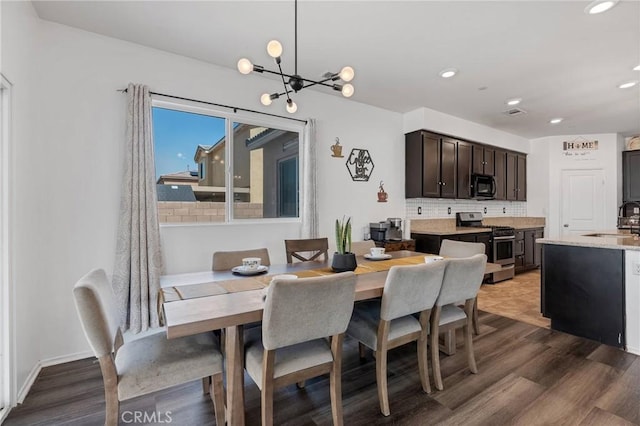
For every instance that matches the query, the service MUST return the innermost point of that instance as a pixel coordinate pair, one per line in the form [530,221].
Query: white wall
[439,122]
[69,154]
[30,263]
[548,160]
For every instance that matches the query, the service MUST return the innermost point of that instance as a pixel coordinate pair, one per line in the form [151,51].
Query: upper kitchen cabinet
[631,175]
[465,166]
[500,163]
[516,170]
[430,165]
[483,160]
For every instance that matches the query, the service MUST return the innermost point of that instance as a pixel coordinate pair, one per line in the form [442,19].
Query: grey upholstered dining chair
[457,249]
[388,324]
[360,248]
[225,260]
[291,346]
[462,280]
[147,364]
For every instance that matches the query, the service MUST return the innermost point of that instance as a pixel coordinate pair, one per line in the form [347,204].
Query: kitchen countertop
[616,239]
[448,226]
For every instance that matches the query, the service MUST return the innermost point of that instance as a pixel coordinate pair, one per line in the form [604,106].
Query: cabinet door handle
[444,183]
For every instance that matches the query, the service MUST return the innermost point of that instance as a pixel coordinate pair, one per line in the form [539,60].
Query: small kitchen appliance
[378,231]
[629,216]
[502,246]
[394,232]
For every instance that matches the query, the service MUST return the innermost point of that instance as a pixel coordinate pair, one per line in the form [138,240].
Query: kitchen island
[591,286]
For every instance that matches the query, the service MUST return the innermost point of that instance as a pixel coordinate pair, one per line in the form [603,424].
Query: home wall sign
[579,147]
[360,165]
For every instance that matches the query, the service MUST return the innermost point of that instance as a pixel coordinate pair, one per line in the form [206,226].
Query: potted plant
[343,259]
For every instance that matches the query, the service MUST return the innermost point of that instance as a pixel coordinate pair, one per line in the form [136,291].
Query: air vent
[514,111]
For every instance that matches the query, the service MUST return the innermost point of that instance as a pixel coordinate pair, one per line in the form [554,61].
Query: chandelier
[294,83]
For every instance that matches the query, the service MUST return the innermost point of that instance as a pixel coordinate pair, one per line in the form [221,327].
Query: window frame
[230,118]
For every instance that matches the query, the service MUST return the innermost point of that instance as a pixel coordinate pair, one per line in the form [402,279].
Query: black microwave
[483,186]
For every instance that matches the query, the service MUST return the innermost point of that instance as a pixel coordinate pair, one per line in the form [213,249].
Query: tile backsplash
[439,208]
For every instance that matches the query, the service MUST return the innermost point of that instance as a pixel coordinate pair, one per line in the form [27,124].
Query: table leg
[235,375]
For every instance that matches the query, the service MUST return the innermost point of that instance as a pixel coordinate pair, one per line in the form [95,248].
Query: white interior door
[582,201]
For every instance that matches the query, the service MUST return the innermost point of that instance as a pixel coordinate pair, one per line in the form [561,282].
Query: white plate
[242,271]
[383,257]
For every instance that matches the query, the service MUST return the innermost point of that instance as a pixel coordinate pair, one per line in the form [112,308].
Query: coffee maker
[395,228]
[378,231]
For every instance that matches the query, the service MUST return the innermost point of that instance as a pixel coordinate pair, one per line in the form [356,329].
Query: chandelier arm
[284,83]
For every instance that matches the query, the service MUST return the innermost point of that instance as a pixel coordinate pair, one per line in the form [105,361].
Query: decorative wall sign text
[579,147]
[360,165]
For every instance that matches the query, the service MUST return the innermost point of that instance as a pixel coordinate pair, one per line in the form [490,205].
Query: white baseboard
[633,350]
[26,386]
[4,413]
[33,374]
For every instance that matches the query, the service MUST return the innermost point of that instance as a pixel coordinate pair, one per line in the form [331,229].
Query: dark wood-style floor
[527,376]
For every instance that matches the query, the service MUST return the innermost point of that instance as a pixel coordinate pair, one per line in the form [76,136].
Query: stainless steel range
[502,244]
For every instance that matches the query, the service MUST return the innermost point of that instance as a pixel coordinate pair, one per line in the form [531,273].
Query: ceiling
[559,60]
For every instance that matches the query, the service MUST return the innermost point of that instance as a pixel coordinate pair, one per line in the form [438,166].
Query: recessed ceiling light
[448,73]
[514,101]
[636,68]
[599,6]
[627,84]
[555,120]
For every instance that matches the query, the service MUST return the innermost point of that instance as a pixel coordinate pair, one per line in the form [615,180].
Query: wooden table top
[201,314]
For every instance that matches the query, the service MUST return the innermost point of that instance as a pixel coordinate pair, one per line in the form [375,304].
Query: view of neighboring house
[265,172]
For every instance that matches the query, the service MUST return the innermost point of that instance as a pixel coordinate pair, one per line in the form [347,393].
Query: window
[213,167]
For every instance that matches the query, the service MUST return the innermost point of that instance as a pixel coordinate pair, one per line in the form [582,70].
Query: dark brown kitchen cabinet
[516,170]
[430,165]
[631,175]
[483,160]
[527,253]
[440,166]
[465,155]
[500,165]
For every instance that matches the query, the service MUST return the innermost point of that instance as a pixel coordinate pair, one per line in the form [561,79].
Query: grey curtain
[309,197]
[138,264]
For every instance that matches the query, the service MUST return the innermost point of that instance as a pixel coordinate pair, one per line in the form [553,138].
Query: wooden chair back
[315,246]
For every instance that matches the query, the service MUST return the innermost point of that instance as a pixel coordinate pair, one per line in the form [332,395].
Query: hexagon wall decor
[360,165]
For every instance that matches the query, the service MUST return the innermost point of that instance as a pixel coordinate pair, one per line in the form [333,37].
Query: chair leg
[206,385]
[300,384]
[476,323]
[110,379]
[435,347]
[216,393]
[423,365]
[381,366]
[361,350]
[266,396]
[468,337]
[335,380]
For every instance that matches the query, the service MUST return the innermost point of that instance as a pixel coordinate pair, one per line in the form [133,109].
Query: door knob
[566,225]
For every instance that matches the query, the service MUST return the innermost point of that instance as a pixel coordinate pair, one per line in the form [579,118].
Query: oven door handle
[512,237]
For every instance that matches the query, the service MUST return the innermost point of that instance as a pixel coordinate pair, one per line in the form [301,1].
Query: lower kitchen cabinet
[527,253]
[430,243]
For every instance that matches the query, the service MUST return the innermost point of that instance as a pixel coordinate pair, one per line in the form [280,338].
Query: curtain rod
[235,109]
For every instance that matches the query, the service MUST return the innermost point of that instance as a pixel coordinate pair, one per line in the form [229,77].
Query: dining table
[198,302]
